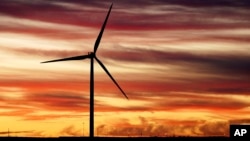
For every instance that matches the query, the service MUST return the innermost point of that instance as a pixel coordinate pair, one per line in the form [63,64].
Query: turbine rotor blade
[97,42]
[106,70]
[81,57]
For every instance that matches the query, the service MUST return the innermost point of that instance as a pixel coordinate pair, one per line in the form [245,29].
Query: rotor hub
[92,54]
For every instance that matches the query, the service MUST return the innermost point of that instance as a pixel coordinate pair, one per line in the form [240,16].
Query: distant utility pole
[83,129]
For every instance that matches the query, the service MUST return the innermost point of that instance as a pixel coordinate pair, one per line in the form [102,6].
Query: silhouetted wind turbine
[92,56]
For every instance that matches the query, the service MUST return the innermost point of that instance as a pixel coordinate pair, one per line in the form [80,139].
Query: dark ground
[115,138]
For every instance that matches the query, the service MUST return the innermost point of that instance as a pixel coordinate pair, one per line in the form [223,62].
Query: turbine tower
[92,56]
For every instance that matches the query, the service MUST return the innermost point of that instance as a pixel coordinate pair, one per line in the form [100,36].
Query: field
[115,138]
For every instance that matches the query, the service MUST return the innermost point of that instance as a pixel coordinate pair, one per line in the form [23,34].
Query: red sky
[184,66]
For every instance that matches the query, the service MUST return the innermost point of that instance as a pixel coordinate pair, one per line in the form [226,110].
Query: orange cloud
[70,131]
[169,128]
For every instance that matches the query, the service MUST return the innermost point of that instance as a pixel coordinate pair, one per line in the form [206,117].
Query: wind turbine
[92,56]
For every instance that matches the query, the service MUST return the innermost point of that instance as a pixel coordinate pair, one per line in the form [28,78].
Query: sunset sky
[184,64]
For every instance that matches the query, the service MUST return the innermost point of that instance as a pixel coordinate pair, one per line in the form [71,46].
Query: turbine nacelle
[91,54]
